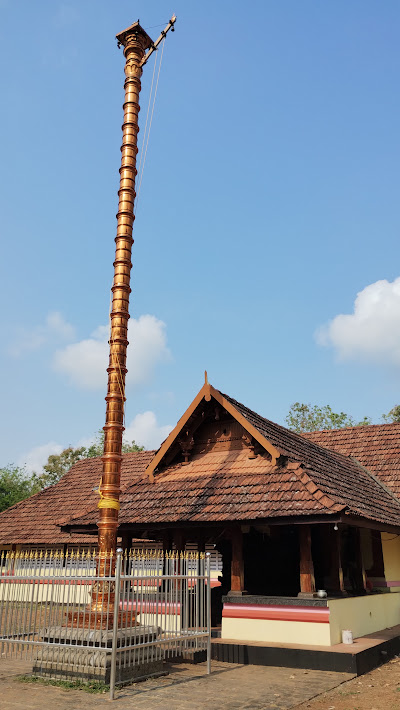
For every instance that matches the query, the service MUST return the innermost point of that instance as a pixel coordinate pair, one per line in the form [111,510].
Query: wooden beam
[237,565]
[137,528]
[307,579]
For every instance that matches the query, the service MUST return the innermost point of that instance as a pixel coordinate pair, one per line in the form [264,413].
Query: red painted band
[152,607]
[319,615]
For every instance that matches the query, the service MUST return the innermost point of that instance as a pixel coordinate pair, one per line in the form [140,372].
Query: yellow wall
[391,558]
[297,632]
[363,615]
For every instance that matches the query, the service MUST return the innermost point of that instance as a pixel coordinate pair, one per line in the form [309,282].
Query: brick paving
[187,687]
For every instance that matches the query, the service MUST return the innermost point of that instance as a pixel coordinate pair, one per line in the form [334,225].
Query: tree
[58,464]
[96,449]
[306,417]
[393,415]
[15,485]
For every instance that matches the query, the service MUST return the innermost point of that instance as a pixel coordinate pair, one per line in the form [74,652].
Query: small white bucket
[347,636]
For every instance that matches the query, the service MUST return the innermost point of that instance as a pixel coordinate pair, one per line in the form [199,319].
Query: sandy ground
[377,690]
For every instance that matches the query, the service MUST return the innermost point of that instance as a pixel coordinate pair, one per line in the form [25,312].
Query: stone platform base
[362,656]
[89,658]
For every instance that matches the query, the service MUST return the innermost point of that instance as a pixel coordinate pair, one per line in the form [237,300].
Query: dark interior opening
[271,561]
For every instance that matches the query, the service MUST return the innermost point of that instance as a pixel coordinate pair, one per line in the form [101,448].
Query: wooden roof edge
[207,392]
[343,517]
[204,393]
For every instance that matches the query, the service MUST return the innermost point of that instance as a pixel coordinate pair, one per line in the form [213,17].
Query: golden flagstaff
[138,46]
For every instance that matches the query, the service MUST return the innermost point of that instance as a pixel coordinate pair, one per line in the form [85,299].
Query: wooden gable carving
[211,423]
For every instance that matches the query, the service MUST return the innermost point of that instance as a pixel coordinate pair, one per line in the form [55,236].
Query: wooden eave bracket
[207,393]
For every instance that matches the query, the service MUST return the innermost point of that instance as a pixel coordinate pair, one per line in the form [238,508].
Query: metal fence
[116,621]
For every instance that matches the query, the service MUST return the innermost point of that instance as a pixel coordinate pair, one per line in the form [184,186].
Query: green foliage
[393,415]
[57,465]
[96,449]
[306,417]
[15,485]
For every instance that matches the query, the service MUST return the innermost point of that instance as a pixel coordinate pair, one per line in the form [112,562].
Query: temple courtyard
[187,687]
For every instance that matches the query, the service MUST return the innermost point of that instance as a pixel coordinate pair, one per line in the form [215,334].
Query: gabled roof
[290,477]
[208,392]
[36,520]
[376,446]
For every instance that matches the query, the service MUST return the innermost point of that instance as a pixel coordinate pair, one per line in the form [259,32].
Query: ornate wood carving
[186,443]
[253,445]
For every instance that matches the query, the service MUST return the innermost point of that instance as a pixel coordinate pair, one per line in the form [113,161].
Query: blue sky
[269,201]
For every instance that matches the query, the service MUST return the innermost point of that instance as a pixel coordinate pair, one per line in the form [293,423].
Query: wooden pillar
[361,574]
[126,541]
[337,568]
[167,541]
[237,565]
[201,544]
[179,540]
[307,580]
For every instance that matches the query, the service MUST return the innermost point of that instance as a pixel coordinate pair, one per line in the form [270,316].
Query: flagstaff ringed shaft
[135,42]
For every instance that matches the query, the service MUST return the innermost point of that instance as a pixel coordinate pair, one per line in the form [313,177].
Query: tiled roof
[377,447]
[36,520]
[342,477]
[221,486]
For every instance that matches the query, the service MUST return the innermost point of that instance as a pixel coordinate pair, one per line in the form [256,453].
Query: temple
[305,529]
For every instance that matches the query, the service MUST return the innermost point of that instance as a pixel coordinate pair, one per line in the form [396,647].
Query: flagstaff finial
[137,29]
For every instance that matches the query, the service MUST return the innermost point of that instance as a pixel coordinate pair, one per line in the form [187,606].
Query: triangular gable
[224,462]
[207,393]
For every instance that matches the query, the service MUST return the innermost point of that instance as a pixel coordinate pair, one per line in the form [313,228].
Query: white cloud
[54,328]
[85,362]
[145,431]
[372,332]
[35,459]
[56,324]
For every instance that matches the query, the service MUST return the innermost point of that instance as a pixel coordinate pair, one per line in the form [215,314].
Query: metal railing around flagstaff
[147,607]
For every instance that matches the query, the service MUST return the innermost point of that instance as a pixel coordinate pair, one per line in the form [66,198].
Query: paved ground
[187,687]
